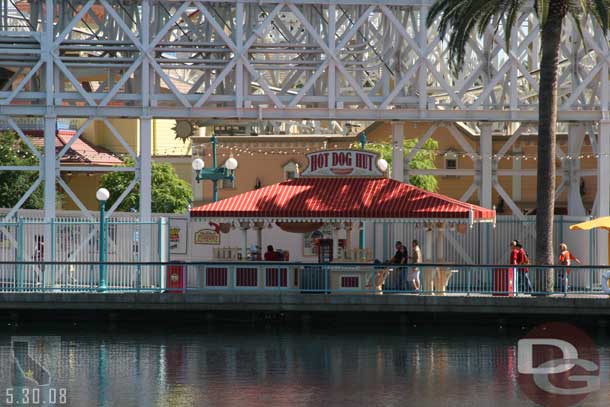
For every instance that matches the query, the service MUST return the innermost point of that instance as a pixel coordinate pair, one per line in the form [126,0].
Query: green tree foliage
[170,194]
[14,184]
[423,160]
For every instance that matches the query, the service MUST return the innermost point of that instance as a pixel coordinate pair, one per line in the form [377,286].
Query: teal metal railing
[306,278]
[78,240]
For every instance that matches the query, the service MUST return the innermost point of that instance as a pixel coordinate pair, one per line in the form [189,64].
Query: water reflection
[253,368]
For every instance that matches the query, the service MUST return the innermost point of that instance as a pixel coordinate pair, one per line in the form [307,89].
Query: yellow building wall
[84,187]
[165,142]
[184,171]
[455,186]
[98,134]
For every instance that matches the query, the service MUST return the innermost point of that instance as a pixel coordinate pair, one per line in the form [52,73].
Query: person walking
[565,259]
[518,256]
[524,259]
[399,280]
[416,258]
[397,259]
[404,260]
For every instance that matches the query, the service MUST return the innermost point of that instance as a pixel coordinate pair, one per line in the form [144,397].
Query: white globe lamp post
[102,196]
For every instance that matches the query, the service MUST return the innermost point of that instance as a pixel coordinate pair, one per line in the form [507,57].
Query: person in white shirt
[416,258]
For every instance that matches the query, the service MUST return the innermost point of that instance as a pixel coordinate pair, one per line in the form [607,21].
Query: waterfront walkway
[282,302]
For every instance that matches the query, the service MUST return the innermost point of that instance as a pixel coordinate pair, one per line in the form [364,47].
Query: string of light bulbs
[270,150]
[226,150]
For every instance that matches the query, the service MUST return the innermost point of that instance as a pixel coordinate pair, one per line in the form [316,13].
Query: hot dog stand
[343,189]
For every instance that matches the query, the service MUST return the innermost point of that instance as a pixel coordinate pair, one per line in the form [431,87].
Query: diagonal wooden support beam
[332,53]
[79,88]
[510,142]
[455,133]
[240,54]
[22,84]
[75,199]
[509,201]
[23,137]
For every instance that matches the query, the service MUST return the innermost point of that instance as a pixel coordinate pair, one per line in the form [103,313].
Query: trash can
[504,282]
[176,282]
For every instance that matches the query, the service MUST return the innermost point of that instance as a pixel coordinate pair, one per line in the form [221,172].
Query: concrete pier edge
[296,302]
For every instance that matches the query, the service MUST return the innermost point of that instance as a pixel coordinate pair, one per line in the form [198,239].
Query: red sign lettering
[342,159]
[339,163]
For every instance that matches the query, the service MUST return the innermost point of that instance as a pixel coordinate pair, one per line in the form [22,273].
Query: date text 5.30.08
[35,396]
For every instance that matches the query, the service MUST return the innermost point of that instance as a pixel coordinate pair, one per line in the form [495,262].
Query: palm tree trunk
[547,128]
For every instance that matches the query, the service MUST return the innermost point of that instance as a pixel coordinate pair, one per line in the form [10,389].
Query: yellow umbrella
[599,223]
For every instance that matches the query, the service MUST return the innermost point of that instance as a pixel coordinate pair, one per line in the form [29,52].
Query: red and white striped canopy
[324,199]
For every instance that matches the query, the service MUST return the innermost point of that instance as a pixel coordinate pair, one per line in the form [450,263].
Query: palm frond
[542,10]
[600,9]
[460,19]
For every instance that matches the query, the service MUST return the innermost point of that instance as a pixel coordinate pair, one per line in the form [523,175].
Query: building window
[451,160]
[291,170]
[226,184]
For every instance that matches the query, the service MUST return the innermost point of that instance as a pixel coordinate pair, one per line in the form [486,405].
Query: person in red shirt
[270,254]
[518,256]
[565,259]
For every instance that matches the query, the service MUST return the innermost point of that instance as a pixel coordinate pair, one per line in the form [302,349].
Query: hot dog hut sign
[342,163]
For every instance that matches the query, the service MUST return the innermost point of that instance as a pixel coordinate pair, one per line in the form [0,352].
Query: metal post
[102,248]
[335,236]
[398,157]
[20,251]
[332,44]
[52,247]
[422,74]
[259,240]
[163,252]
[215,195]
[486,178]
[603,188]
[50,173]
[145,169]
[591,248]
[145,159]
[50,120]
[146,189]
[576,138]
[244,243]
[362,237]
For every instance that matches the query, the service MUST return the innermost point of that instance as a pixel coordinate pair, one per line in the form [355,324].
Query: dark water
[274,367]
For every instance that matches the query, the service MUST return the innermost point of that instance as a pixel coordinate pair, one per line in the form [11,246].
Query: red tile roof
[342,198]
[81,152]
